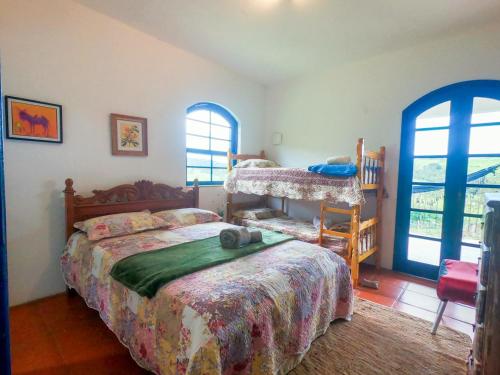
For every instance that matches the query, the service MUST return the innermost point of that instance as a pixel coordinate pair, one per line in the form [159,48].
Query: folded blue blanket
[334,170]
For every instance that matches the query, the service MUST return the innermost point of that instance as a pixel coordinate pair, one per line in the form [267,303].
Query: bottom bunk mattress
[307,232]
[255,315]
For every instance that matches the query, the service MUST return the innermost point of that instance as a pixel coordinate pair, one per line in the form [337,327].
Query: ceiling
[274,40]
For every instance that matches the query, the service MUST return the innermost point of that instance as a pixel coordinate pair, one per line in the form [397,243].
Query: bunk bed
[355,239]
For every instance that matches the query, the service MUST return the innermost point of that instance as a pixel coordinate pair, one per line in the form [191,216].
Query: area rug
[381,340]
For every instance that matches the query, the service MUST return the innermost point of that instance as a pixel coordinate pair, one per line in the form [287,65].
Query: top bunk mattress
[294,183]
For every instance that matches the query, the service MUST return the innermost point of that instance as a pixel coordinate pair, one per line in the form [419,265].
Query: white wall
[323,114]
[61,52]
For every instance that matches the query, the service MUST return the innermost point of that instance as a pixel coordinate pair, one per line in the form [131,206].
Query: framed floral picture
[129,135]
[31,120]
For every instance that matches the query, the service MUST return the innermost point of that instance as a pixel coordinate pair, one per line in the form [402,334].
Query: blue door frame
[4,290]
[461,96]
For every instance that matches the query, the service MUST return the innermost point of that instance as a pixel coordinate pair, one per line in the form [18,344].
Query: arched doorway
[449,159]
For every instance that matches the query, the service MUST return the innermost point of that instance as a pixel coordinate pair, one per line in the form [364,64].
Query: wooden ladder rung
[335,210]
[336,234]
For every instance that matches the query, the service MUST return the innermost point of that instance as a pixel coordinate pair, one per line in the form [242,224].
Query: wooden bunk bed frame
[370,172]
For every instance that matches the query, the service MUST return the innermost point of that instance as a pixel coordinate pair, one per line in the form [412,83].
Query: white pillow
[257,163]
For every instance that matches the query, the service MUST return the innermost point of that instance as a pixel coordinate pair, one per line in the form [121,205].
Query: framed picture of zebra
[31,120]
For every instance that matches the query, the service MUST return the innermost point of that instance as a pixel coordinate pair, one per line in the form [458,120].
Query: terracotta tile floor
[61,335]
[414,296]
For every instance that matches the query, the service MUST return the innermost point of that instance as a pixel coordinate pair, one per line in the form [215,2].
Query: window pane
[202,174]
[426,224]
[193,141]
[219,120]
[427,197]
[200,115]
[472,230]
[438,115]
[429,170]
[424,251]
[218,145]
[474,199]
[484,140]
[431,142]
[221,132]
[198,160]
[484,171]
[220,161]
[470,254]
[485,110]
[219,174]
[197,128]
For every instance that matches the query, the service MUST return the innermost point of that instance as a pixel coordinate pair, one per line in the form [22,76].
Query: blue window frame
[211,130]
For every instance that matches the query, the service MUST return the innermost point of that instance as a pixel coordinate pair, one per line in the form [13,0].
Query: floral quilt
[256,315]
[294,183]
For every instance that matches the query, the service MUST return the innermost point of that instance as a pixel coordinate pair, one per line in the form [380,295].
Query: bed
[256,315]
[358,240]
[307,232]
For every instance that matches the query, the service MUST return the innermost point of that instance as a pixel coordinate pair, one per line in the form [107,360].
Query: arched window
[211,131]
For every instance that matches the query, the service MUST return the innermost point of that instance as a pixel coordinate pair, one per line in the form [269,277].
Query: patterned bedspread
[294,183]
[256,315]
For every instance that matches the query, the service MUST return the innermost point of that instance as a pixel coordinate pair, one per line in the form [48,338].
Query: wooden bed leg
[380,197]
[355,245]
[355,272]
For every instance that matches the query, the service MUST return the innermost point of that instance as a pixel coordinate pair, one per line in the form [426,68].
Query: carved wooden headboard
[141,195]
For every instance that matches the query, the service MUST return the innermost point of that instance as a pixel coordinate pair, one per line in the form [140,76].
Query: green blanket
[147,272]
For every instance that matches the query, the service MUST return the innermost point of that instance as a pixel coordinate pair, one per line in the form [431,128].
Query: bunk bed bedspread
[305,231]
[257,314]
[301,230]
[294,183]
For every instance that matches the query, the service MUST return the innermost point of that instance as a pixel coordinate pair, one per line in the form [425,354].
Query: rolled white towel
[237,237]
[255,235]
[338,160]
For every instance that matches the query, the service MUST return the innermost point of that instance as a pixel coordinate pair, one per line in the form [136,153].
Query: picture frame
[33,120]
[129,135]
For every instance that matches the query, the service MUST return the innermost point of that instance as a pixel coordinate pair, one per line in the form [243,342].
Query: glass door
[450,157]
[483,171]
[430,158]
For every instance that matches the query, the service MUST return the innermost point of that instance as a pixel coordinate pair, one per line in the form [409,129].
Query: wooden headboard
[141,195]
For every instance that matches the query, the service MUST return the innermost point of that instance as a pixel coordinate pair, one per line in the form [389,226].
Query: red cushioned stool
[457,283]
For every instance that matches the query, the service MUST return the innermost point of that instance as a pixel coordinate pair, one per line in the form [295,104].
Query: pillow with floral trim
[183,217]
[119,224]
[257,163]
